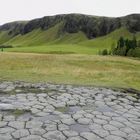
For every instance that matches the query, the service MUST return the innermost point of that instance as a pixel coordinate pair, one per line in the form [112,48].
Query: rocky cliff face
[92,26]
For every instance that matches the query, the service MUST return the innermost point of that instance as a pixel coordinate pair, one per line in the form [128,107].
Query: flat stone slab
[65,112]
[4,106]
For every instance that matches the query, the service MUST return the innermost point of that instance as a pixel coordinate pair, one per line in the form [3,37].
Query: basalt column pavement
[65,112]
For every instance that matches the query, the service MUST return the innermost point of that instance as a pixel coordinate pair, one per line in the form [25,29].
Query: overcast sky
[12,10]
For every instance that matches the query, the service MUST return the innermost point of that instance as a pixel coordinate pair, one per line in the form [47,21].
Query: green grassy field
[56,49]
[71,69]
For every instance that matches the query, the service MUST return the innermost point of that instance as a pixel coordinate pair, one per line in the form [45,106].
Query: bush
[136,52]
[104,52]
[126,47]
[130,52]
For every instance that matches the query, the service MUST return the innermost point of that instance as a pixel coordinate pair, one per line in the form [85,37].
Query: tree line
[124,47]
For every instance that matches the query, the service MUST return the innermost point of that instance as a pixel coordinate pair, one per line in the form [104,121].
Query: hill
[84,31]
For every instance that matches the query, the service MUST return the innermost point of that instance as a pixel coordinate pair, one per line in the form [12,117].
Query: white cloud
[12,10]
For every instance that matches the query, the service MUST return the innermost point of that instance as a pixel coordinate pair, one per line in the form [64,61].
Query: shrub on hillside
[134,52]
[127,47]
[103,52]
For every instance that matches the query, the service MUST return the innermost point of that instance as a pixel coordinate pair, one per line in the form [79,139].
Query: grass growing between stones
[62,109]
[18,112]
[71,69]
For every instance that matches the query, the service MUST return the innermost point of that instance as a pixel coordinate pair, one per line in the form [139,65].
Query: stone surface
[5,137]
[17,124]
[101,132]
[20,133]
[66,112]
[37,131]
[90,136]
[32,137]
[69,121]
[70,133]
[84,121]
[56,135]
[33,124]
[112,137]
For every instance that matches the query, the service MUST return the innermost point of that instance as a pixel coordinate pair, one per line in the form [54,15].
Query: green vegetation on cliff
[72,33]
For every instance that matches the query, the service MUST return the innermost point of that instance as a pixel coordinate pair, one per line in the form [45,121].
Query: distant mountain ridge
[91,26]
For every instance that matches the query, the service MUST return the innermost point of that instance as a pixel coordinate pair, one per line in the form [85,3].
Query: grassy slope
[50,42]
[72,69]
[108,40]
[68,38]
[36,37]
[4,37]
[39,37]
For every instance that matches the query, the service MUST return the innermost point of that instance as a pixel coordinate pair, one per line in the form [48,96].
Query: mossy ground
[18,112]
